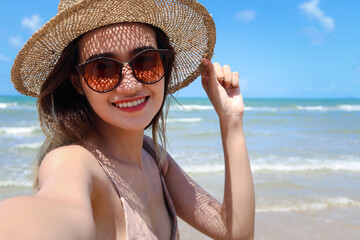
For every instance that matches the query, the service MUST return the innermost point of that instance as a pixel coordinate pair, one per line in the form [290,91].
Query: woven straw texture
[187,23]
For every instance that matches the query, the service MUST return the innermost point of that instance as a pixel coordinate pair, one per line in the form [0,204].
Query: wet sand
[334,224]
[330,224]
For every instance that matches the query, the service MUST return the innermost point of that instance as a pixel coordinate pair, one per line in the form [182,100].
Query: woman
[101,71]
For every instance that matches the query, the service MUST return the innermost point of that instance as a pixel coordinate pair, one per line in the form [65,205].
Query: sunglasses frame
[165,54]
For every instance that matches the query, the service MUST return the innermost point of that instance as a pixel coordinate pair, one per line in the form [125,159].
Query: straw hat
[189,26]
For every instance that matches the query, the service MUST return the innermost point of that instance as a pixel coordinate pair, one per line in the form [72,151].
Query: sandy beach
[331,223]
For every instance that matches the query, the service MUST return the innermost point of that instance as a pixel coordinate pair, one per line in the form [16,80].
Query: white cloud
[245,15]
[33,23]
[314,35]
[4,58]
[16,41]
[312,9]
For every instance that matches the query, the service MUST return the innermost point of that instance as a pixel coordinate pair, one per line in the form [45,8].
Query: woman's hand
[222,88]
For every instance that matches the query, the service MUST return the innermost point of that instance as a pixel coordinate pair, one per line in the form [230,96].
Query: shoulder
[68,159]
[69,172]
[63,203]
[70,155]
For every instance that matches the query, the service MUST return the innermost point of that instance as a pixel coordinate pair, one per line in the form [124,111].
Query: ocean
[304,153]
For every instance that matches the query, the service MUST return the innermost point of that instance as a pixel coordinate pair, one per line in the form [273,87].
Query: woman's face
[132,104]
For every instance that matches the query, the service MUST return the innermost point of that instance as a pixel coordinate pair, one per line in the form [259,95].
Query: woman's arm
[234,218]
[62,207]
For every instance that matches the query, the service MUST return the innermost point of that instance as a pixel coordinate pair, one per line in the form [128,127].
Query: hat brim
[189,26]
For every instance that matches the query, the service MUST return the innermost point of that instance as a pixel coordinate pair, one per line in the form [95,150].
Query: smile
[130,104]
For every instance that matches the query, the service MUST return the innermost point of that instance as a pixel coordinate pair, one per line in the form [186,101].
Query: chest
[142,204]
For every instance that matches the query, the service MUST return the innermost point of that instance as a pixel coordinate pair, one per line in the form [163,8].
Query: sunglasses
[104,74]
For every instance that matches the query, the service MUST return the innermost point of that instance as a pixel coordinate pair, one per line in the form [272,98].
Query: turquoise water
[305,153]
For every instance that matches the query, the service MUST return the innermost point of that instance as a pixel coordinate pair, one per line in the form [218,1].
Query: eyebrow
[140,49]
[99,55]
[112,55]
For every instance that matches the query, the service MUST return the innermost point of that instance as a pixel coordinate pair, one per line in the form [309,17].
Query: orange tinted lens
[102,75]
[148,67]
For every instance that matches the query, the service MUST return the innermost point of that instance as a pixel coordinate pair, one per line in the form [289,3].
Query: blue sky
[281,48]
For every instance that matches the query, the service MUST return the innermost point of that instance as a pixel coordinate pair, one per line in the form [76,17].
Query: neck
[119,144]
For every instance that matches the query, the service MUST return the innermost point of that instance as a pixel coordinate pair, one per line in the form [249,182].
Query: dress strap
[169,203]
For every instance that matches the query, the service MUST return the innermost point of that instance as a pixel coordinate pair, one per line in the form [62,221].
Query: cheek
[96,103]
[96,100]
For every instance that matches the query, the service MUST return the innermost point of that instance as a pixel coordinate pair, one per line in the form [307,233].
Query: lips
[131,105]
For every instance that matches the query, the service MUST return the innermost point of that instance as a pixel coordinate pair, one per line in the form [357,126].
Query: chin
[134,125]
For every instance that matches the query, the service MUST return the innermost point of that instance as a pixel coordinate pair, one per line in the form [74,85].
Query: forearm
[39,218]
[239,202]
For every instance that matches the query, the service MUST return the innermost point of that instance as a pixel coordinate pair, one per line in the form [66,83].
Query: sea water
[304,153]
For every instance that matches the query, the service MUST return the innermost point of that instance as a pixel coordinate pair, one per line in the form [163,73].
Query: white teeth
[131,104]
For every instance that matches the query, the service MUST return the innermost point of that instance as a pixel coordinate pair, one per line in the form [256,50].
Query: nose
[128,81]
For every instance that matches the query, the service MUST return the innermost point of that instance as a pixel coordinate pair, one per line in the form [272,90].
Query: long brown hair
[65,115]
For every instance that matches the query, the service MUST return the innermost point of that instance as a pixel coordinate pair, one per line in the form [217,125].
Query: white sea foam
[273,163]
[16,106]
[205,168]
[261,109]
[189,108]
[7,105]
[286,165]
[18,130]
[34,145]
[352,166]
[317,108]
[313,205]
[185,120]
[10,183]
[313,108]
[340,108]
[349,108]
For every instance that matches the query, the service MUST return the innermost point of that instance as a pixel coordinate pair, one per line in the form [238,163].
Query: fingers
[219,73]
[228,76]
[225,77]
[235,80]
[212,72]
[207,72]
